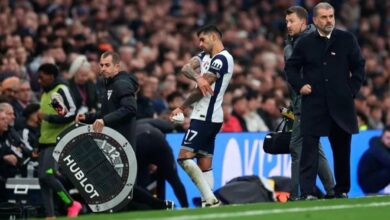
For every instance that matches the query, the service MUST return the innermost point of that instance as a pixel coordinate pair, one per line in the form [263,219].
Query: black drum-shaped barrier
[102,166]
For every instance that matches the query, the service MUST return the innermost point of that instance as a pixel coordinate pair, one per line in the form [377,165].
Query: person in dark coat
[119,106]
[153,149]
[374,165]
[81,86]
[327,69]
[8,160]
[296,20]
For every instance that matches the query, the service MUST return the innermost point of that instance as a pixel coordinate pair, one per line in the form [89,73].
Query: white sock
[197,177]
[209,177]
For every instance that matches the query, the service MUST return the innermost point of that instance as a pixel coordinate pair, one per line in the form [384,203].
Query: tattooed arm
[189,71]
[195,94]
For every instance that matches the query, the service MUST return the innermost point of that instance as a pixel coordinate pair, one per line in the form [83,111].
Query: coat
[291,42]
[335,70]
[119,106]
[91,95]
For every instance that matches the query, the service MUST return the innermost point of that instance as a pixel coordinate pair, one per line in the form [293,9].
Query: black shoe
[169,205]
[214,204]
[341,196]
[309,197]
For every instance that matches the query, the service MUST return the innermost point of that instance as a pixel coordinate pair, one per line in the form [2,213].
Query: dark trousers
[340,142]
[375,181]
[156,150]
[324,171]
[49,182]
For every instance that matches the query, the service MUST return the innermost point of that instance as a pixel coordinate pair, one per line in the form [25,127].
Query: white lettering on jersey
[109,92]
[217,64]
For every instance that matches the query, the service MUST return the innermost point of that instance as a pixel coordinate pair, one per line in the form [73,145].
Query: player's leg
[205,156]
[44,179]
[205,164]
[186,161]
[48,180]
[196,135]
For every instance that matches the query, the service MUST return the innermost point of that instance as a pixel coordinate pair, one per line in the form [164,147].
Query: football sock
[197,177]
[209,177]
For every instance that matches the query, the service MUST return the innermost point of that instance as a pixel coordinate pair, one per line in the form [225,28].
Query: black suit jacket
[335,70]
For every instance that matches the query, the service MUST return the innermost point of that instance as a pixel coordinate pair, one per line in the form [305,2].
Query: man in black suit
[296,22]
[332,73]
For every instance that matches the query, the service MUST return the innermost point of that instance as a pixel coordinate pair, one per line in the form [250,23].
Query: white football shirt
[209,108]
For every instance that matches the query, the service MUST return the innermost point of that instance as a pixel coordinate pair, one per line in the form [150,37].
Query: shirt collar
[327,36]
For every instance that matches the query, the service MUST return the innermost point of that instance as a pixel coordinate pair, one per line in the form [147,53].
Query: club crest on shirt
[206,65]
[109,92]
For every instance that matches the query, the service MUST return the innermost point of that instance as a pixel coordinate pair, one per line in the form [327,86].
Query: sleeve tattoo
[189,69]
[196,94]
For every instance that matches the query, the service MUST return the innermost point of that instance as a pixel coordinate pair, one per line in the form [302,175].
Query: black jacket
[335,70]
[9,142]
[90,92]
[119,106]
[291,42]
[153,147]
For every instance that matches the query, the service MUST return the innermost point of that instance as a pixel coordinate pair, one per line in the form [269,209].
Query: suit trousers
[340,142]
[324,171]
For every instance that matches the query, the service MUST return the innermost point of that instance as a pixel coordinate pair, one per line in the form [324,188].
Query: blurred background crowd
[156,38]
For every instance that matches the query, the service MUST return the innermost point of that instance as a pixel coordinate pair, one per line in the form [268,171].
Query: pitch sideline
[266,212]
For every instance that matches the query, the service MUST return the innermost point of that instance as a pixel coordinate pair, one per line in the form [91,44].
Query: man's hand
[189,71]
[305,90]
[80,117]
[175,112]
[204,86]
[98,125]
[11,159]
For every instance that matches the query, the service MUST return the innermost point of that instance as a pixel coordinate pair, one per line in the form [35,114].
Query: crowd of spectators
[156,38]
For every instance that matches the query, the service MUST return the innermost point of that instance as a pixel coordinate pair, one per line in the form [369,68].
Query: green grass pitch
[365,208]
